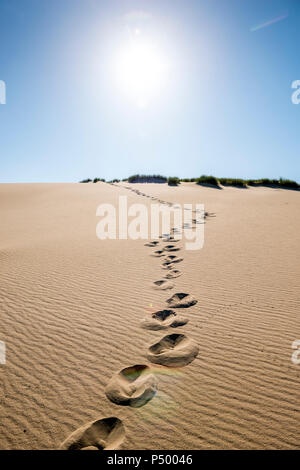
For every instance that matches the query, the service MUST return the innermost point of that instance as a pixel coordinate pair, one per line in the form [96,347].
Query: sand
[75,314]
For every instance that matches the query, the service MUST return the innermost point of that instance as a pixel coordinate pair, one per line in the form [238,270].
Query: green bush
[211,180]
[96,180]
[173,181]
[285,183]
[147,179]
[88,180]
[240,183]
[281,183]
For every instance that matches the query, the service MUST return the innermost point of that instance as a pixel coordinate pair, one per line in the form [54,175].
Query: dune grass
[204,180]
[241,183]
[147,179]
[281,183]
[207,180]
[233,182]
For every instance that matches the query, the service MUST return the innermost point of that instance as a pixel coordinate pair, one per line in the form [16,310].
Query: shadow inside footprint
[170,260]
[181,300]
[171,248]
[173,274]
[102,434]
[174,350]
[133,386]
[163,319]
[158,253]
[152,244]
[163,285]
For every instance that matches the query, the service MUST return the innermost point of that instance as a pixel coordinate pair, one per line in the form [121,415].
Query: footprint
[170,240]
[181,300]
[171,248]
[163,284]
[102,434]
[152,244]
[163,319]
[173,274]
[133,386]
[174,350]
[158,253]
[170,260]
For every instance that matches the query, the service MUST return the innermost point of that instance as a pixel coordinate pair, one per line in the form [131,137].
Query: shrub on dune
[285,183]
[238,182]
[173,181]
[281,183]
[147,179]
[97,180]
[207,180]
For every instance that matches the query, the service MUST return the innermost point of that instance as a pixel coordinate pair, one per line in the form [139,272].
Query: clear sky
[178,87]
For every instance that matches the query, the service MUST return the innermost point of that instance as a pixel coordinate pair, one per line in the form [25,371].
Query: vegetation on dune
[147,179]
[285,183]
[281,183]
[233,182]
[96,180]
[211,180]
[263,182]
[173,181]
[204,180]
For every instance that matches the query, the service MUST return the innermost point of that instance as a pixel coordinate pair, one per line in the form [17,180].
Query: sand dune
[72,309]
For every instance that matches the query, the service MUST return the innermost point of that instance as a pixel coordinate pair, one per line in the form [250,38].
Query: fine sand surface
[90,361]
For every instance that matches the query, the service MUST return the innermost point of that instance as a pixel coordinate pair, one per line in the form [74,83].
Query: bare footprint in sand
[163,284]
[133,386]
[181,300]
[163,319]
[170,261]
[158,253]
[172,274]
[152,244]
[171,248]
[170,240]
[102,434]
[174,350]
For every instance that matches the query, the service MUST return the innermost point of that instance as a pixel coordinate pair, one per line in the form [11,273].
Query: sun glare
[140,72]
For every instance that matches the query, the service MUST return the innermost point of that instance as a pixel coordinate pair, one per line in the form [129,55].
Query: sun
[141,72]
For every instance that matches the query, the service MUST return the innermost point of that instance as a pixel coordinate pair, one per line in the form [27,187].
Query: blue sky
[224,107]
